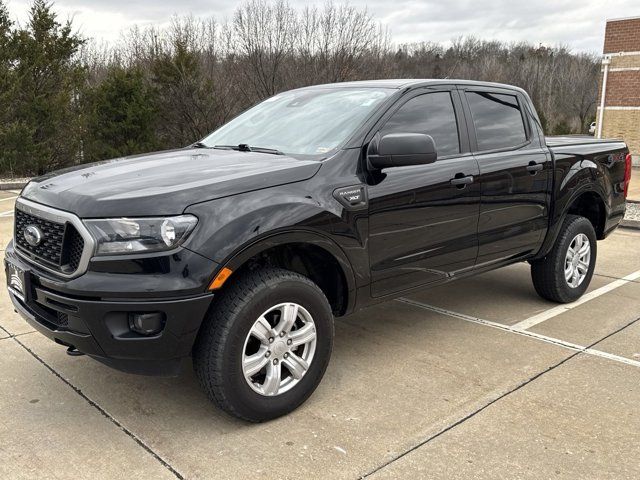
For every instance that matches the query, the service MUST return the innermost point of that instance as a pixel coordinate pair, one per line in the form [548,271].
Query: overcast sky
[576,23]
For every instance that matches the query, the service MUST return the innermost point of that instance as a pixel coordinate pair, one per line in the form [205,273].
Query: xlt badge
[353,197]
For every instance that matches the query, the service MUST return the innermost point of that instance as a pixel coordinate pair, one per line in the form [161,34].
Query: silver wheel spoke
[289,315]
[568,272]
[577,243]
[584,249]
[254,363]
[303,335]
[582,266]
[271,383]
[576,278]
[296,365]
[262,330]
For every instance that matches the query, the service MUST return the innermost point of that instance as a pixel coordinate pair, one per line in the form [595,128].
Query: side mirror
[401,149]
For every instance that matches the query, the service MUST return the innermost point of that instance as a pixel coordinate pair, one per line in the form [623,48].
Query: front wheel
[265,345]
[565,273]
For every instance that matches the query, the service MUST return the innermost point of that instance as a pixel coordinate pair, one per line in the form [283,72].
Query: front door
[423,219]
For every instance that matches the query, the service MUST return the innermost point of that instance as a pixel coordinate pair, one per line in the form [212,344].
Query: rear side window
[498,120]
[432,114]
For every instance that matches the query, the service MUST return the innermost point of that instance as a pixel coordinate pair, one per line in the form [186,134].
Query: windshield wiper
[199,145]
[273,151]
[243,147]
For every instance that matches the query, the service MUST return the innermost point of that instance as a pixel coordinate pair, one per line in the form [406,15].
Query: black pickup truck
[241,249]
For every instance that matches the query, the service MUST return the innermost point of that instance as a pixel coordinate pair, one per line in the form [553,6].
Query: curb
[632,224]
[12,185]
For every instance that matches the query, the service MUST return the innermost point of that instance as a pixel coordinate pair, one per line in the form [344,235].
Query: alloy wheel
[279,349]
[577,260]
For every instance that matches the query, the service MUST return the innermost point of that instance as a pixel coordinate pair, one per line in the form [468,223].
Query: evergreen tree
[186,97]
[122,118]
[10,131]
[47,79]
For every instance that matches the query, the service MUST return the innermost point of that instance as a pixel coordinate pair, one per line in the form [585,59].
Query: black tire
[548,273]
[217,355]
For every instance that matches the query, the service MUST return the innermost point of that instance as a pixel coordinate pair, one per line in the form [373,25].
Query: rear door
[515,173]
[423,219]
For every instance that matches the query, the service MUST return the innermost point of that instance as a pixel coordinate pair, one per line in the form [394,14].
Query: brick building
[620,116]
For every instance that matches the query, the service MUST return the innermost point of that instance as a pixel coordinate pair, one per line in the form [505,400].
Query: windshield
[305,122]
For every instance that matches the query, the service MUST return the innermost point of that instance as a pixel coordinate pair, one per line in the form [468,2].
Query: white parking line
[8,213]
[543,338]
[546,315]
[8,198]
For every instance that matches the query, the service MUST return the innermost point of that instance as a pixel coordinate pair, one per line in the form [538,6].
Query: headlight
[140,235]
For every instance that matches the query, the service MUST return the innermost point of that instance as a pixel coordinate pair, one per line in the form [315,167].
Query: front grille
[50,250]
[72,247]
[61,246]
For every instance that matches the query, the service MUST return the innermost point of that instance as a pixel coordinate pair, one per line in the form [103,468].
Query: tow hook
[74,352]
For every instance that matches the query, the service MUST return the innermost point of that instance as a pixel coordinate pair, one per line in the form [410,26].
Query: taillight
[627,174]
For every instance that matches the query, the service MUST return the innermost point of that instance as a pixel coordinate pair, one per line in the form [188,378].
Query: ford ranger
[241,249]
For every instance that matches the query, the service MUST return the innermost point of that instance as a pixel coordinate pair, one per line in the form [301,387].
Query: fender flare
[275,239]
[554,229]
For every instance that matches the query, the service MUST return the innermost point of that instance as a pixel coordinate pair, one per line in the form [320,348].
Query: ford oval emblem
[33,235]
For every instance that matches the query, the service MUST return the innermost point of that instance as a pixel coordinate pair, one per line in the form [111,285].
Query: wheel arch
[589,204]
[308,253]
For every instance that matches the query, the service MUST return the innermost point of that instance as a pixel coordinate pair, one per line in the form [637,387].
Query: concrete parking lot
[475,379]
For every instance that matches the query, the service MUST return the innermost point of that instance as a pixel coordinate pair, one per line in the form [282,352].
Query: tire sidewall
[248,402]
[575,227]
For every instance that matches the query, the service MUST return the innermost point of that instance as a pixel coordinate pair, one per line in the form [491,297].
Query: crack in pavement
[615,278]
[106,414]
[10,336]
[491,402]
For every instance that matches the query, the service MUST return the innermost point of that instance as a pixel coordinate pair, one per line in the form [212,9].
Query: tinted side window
[431,113]
[497,119]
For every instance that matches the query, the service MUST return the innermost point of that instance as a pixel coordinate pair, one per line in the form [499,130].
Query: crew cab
[241,249]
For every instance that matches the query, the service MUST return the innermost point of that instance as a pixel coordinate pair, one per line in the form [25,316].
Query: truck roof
[398,83]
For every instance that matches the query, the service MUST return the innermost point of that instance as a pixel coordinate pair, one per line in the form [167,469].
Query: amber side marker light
[221,277]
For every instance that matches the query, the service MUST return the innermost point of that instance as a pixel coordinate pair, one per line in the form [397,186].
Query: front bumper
[99,327]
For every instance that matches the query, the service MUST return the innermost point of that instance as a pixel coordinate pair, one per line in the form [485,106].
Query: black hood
[163,183]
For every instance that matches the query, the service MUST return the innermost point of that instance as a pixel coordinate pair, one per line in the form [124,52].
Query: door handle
[534,167]
[461,181]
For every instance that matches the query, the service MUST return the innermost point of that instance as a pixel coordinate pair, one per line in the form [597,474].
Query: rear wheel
[565,273]
[265,345]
